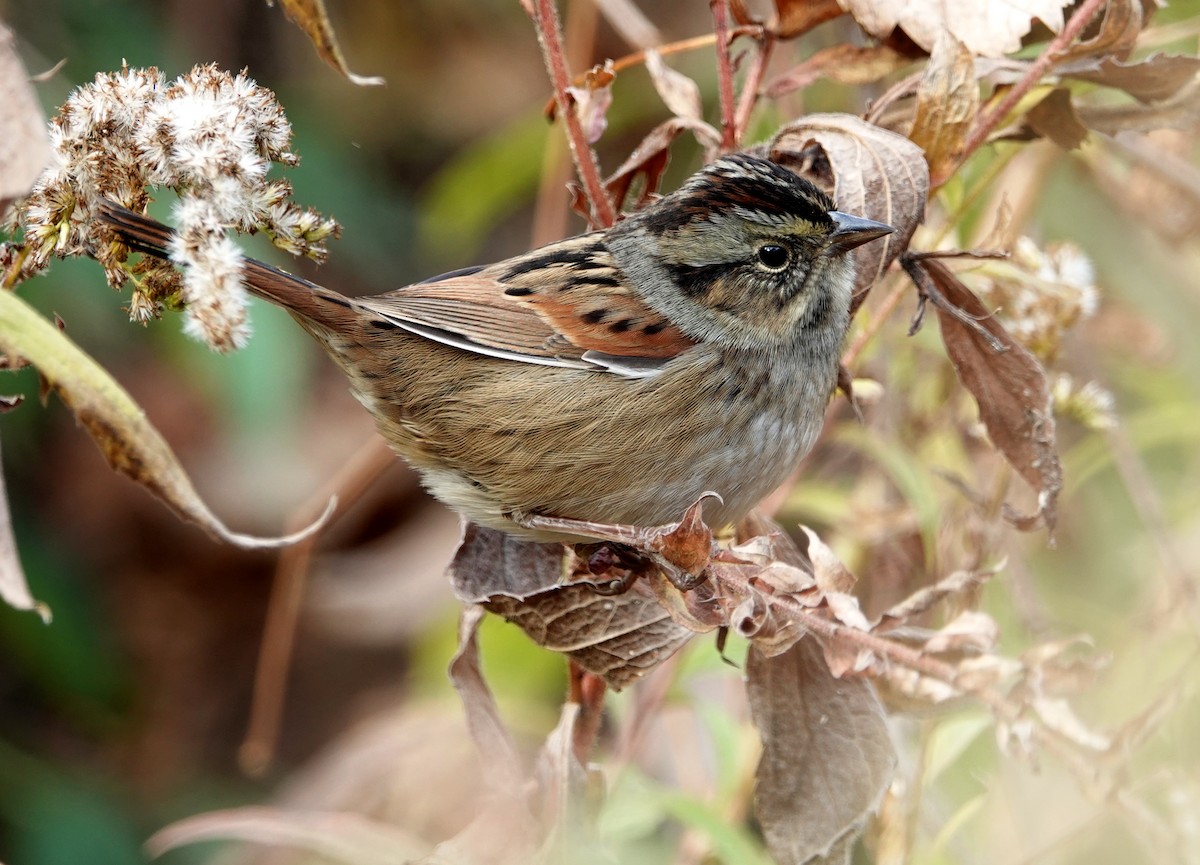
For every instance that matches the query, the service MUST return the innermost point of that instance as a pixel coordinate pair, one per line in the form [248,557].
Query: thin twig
[287,594]
[1037,70]
[545,17]
[753,84]
[729,131]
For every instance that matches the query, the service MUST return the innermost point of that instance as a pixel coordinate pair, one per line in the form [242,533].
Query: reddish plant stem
[729,130]
[587,690]
[1070,32]
[752,85]
[545,17]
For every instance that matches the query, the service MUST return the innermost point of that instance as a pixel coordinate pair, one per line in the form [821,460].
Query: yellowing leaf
[128,441]
[311,17]
[947,102]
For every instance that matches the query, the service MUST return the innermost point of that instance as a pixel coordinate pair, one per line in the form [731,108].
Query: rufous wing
[553,306]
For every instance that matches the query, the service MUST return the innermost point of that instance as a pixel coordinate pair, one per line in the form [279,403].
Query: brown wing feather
[557,301]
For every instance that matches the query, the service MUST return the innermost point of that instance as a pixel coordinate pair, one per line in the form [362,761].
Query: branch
[729,129]
[545,17]
[1037,70]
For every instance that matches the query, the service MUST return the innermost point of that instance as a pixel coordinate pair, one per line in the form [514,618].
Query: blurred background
[128,711]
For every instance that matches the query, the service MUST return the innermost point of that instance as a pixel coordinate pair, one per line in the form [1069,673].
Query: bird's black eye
[772,256]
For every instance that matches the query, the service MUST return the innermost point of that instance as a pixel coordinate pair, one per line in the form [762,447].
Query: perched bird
[611,377]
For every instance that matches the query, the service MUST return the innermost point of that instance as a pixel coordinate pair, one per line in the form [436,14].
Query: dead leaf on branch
[1154,79]
[987,27]
[1055,118]
[925,599]
[24,143]
[681,95]
[591,100]
[619,638]
[502,771]
[311,17]
[1115,34]
[14,589]
[874,173]
[827,757]
[1007,382]
[946,108]
[845,64]
[647,161]
[792,18]
[332,836]
[116,423]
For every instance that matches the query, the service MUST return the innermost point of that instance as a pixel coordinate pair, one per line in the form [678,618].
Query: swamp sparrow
[611,377]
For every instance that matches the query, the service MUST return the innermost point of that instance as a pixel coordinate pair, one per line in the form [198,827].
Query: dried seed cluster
[1040,294]
[211,137]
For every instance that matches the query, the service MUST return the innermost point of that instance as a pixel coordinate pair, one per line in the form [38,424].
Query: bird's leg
[681,550]
[618,564]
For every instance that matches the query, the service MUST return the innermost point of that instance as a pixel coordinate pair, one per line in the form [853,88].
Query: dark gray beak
[851,231]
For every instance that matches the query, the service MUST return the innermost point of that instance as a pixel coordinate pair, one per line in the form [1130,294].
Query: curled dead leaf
[24,143]
[119,427]
[619,638]
[1007,382]
[844,63]
[792,18]
[1055,117]
[14,589]
[1151,80]
[333,836]
[986,27]
[875,173]
[311,17]
[947,105]
[827,757]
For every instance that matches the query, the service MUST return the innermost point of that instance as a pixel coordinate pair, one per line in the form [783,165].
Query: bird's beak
[851,231]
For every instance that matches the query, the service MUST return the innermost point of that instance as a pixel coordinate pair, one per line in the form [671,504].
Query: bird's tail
[310,303]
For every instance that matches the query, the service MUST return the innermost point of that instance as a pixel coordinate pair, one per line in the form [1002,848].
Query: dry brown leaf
[921,601]
[843,63]
[648,160]
[1007,382]
[970,630]
[1154,79]
[792,18]
[24,143]
[118,425]
[488,562]
[1116,33]
[829,572]
[987,27]
[333,836]
[311,17]
[619,638]
[827,757]
[14,590]
[947,104]
[502,770]
[1055,118]
[876,173]
[563,780]
[679,93]
[592,99]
